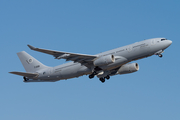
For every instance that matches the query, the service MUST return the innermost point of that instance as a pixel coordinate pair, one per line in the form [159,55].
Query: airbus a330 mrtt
[102,65]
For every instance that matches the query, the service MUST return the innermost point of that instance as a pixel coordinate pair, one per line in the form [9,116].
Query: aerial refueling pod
[104,60]
[128,68]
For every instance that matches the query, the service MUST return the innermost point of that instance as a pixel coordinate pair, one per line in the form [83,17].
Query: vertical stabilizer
[30,64]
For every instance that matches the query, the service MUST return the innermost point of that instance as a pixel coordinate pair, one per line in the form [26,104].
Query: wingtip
[31,47]
[12,72]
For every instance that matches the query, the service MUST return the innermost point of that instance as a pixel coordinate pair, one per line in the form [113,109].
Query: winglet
[31,47]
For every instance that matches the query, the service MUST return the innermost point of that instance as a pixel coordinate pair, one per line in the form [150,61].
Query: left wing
[80,58]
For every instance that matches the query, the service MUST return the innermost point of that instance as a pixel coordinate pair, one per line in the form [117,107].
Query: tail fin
[30,64]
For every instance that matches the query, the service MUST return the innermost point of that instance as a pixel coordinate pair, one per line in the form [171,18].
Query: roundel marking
[30,60]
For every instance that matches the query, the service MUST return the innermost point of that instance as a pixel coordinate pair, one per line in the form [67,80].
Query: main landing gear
[92,75]
[102,79]
[96,72]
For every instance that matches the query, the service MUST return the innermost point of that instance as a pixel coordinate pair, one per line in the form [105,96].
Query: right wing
[25,74]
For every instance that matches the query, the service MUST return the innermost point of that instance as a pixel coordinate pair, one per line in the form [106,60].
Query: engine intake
[128,68]
[104,60]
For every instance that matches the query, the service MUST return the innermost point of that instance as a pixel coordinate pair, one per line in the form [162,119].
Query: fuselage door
[130,48]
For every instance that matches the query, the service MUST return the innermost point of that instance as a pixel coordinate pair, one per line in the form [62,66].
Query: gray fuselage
[122,55]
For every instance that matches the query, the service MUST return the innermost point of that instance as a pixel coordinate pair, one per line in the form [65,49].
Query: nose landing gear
[160,55]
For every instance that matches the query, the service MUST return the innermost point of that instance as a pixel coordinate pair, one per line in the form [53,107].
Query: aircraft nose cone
[169,42]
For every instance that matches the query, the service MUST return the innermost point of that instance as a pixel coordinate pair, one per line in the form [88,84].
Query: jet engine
[128,68]
[104,60]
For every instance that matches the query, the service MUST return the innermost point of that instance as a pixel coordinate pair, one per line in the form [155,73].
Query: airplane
[102,65]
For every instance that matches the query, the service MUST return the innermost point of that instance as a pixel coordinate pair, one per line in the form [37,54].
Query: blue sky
[90,27]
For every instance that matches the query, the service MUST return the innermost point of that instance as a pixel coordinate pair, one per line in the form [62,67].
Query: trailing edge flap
[25,74]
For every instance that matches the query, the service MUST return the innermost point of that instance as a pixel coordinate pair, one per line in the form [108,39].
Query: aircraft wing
[25,74]
[81,58]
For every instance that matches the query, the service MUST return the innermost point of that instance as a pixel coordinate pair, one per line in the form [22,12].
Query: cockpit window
[163,39]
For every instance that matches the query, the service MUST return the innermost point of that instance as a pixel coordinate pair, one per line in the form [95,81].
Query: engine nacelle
[128,68]
[104,60]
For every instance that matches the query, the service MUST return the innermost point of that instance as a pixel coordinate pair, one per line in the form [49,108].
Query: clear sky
[90,27]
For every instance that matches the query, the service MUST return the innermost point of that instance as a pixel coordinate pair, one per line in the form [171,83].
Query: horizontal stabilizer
[25,74]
